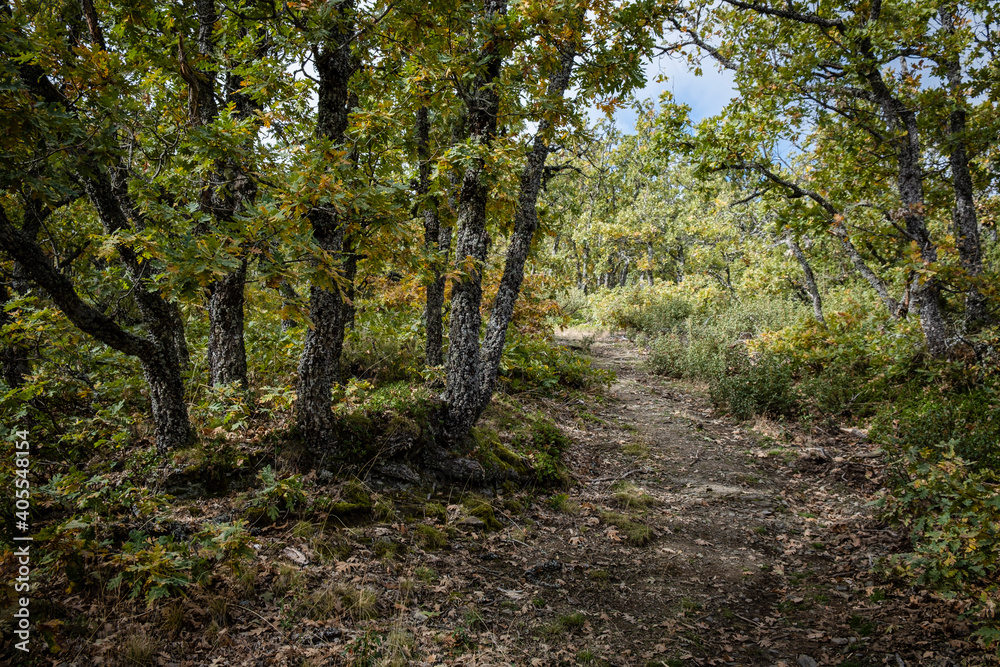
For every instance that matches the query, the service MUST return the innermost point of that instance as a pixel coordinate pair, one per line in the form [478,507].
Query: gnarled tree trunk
[319,366]
[472,373]
[158,359]
[227,190]
[964,219]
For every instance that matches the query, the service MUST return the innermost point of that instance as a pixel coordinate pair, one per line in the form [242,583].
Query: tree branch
[87,318]
[789,14]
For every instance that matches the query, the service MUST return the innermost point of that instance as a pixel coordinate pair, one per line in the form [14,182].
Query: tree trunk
[650,273]
[166,395]
[221,198]
[910,184]
[156,353]
[966,224]
[227,357]
[319,366]
[462,393]
[434,355]
[811,286]
[13,356]
[483,366]
[525,225]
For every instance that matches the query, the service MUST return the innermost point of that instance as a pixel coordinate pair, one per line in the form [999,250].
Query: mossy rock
[430,538]
[499,462]
[480,508]
[356,493]
[436,511]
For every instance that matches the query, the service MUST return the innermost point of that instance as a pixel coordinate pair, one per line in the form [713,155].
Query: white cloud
[706,94]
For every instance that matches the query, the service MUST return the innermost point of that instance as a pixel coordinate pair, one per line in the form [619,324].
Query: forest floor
[685,539]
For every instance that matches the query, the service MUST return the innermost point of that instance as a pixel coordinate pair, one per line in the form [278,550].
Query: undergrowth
[939,420]
[114,521]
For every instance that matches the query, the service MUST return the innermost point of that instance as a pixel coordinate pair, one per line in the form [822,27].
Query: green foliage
[94,495]
[278,495]
[721,346]
[953,513]
[155,567]
[544,444]
[753,384]
[968,420]
[535,363]
[384,347]
[223,410]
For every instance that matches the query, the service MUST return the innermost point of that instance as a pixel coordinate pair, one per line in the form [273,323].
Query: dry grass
[630,496]
[139,648]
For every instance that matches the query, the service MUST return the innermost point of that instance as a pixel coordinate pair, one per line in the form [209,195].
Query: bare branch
[789,14]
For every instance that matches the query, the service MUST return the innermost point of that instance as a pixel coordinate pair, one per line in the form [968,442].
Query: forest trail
[684,539]
[760,553]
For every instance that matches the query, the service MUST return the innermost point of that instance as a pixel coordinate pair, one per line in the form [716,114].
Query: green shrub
[278,495]
[157,567]
[545,445]
[668,355]
[969,421]
[535,362]
[953,513]
[663,315]
[751,385]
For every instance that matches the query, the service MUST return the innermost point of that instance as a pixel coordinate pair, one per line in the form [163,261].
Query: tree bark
[964,219]
[473,371]
[434,355]
[810,278]
[227,357]
[158,359]
[319,366]
[462,394]
[525,225]
[226,190]
[910,185]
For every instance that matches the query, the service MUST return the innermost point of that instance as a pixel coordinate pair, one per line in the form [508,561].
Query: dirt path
[686,539]
[752,553]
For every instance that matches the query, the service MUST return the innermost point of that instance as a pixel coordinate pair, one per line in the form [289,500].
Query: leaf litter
[685,539]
